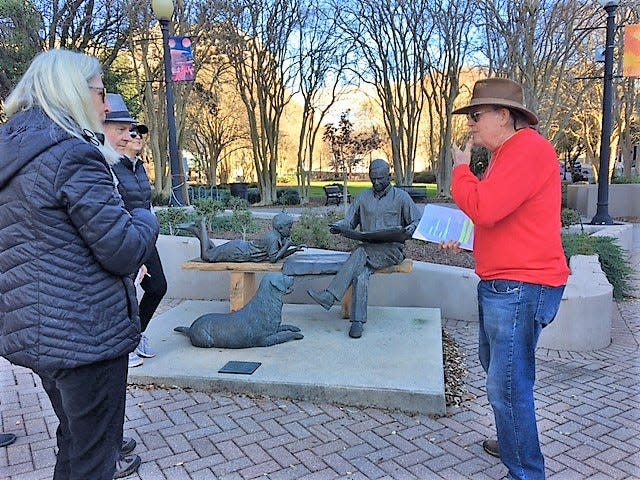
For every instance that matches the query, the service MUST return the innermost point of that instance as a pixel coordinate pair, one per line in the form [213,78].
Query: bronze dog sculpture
[257,324]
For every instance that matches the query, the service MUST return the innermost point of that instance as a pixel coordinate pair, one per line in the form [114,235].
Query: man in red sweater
[519,259]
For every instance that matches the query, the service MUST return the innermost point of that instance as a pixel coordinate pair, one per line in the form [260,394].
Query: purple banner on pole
[181,59]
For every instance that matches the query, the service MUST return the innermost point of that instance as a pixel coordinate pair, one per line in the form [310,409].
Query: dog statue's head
[282,283]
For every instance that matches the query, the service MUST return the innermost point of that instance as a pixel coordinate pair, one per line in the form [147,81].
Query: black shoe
[128,444]
[491,447]
[126,466]
[7,439]
[324,298]
[356,330]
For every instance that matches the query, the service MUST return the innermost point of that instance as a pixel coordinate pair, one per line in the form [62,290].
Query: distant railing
[207,191]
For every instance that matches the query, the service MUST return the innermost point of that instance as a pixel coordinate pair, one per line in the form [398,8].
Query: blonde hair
[57,82]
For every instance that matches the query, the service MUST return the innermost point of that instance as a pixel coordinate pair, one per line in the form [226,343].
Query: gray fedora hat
[119,112]
[501,92]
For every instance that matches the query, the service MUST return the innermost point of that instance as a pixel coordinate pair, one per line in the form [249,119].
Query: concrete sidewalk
[588,410]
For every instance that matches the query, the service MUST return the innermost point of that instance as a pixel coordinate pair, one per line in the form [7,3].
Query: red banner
[631,63]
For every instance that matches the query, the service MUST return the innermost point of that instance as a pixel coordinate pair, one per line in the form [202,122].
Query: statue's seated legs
[356,272]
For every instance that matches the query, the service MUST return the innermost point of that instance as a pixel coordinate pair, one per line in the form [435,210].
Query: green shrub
[570,216]
[172,216]
[241,218]
[612,258]
[288,196]
[424,177]
[159,199]
[635,179]
[312,229]
[253,195]
[208,208]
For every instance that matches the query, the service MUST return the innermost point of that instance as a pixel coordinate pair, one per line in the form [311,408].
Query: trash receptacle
[239,189]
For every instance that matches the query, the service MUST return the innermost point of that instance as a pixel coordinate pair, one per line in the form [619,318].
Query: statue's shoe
[324,298]
[186,226]
[356,330]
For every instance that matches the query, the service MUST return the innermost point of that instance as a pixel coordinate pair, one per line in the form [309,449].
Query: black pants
[89,402]
[155,286]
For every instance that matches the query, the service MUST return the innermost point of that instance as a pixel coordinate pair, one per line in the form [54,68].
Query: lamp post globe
[602,216]
[163,9]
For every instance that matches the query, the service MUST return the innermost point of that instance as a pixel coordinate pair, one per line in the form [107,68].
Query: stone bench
[242,280]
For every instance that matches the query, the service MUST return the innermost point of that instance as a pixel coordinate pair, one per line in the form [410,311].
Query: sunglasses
[134,134]
[475,116]
[102,91]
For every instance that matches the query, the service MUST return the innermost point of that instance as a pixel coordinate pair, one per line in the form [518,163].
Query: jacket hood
[25,136]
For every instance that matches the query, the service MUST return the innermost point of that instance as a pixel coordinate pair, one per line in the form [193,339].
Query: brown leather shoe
[491,447]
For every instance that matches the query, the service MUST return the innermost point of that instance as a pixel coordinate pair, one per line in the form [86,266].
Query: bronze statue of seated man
[271,247]
[386,217]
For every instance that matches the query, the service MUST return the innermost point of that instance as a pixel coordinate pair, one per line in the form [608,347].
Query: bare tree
[216,128]
[447,51]
[191,18]
[257,42]
[348,148]
[535,43]
[390,37]
[96,27]
[321,58]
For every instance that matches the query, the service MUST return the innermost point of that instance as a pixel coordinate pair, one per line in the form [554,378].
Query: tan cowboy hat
[501,92]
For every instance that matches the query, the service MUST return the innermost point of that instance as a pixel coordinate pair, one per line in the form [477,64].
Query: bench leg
[346,303]
[242,288]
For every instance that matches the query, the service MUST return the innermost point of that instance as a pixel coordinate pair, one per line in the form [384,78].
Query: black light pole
[163,9]
[602,216]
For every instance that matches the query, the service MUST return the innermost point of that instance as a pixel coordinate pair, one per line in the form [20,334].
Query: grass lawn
[356,187]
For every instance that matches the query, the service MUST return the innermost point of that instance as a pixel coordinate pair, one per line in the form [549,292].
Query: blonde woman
[67,249]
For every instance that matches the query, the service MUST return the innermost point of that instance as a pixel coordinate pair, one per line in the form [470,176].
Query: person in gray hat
[125,135]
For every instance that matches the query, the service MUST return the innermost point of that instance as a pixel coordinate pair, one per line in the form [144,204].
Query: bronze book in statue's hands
[386,235]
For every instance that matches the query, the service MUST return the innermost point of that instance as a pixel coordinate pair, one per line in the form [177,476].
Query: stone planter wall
[624,200]
[583,322]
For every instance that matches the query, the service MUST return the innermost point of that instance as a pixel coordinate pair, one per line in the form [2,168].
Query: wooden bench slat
[232,266]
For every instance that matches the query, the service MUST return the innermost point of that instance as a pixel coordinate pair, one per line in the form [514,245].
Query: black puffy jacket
[133,183]
[67,248]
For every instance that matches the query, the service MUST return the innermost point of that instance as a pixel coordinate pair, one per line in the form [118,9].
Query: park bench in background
[335,192]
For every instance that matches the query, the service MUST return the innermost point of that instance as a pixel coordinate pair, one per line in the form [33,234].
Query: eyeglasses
[102,91]
[475,116]
[135,134]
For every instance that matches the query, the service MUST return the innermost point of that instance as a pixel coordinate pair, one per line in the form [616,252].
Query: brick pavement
[587,407]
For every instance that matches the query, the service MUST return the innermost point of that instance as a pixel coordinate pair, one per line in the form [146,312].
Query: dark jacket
[133,183]
[67,248]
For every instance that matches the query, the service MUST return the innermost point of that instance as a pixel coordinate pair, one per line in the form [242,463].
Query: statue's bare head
[379,174]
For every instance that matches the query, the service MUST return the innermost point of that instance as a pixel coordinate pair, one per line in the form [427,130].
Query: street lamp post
[602,216]
[163,9]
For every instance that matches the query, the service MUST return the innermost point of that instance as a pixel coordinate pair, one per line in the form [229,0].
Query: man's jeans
[512,315]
